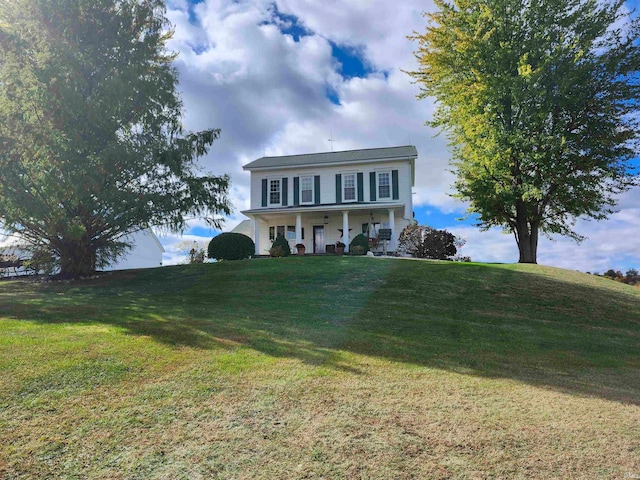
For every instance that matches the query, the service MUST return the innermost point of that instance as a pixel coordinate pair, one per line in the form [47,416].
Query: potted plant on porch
[339,248]
[300,248]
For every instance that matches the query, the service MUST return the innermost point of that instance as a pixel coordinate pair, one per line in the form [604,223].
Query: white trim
[345,230]
[323,208]
[256,234]
[298,228]
[330,164]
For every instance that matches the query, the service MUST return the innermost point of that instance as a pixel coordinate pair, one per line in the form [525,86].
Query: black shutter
[360,187]
[316,188]
[296,191]
[285,192]
[264,192]
[372,186]
[338,188]
[394,183]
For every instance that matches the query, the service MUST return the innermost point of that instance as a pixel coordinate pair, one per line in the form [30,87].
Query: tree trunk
[77,260]
[526,236]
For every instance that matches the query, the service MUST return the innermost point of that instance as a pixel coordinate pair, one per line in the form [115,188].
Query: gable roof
[244,227]
[347,156]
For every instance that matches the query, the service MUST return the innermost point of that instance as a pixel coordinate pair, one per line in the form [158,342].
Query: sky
[290,77]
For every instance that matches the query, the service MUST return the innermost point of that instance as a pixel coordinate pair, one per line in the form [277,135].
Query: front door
[318,239]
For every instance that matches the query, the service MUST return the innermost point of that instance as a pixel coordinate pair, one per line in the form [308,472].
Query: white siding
[357,216]
[145,253]
[328,181]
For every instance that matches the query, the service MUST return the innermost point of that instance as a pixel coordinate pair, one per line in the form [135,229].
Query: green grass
[321,367]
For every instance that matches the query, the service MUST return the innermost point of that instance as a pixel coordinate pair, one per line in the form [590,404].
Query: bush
[426,242]
[196,255]
[359,245]
[231,246]
[276,252]
[281,242]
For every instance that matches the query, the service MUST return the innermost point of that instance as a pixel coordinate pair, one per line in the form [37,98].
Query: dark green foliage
[92,145]
[540,103]
[426,242]
[280,243]
[231,246]
[359,245]
[631,277]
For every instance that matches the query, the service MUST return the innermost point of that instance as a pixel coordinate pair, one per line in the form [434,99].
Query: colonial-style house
[322,198]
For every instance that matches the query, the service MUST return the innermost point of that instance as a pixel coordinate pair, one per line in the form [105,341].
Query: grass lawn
[321,367]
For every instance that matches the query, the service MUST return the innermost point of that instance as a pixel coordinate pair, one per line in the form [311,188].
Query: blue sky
[282,77]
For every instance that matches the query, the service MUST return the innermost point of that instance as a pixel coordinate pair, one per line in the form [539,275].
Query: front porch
[320,228]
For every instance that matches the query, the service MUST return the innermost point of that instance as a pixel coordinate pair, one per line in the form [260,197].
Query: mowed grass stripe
[321,368]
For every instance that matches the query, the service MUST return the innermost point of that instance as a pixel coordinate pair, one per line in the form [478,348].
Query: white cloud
[610,244]
[268,94]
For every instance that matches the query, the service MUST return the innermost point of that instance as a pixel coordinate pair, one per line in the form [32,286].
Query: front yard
[321,367]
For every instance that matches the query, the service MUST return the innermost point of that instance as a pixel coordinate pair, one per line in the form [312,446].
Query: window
[384,185]
[349,187]
[371,230]
[306,190]
[274,192]
[281,229]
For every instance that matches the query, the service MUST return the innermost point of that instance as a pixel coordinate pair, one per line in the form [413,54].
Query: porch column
[256,234]
[298,228]
[392,226]
[345,230]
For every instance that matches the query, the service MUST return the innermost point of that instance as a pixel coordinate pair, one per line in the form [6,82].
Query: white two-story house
[321,198]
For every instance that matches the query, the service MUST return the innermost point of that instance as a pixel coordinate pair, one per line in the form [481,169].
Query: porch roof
[331,207]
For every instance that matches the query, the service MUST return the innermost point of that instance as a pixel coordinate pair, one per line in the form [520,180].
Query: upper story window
[274,192]
[349,187]
[306,190]
[384,185]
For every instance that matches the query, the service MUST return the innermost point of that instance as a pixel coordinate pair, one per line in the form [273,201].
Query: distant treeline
[631,277]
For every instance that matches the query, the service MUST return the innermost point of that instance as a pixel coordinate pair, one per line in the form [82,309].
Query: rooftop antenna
[331,139]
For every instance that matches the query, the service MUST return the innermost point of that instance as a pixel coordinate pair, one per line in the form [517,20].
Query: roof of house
[244,227]
[363,155]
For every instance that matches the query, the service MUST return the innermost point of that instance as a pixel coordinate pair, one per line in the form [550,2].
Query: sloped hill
[321,367]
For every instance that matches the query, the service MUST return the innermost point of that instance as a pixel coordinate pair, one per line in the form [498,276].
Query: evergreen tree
[91,142]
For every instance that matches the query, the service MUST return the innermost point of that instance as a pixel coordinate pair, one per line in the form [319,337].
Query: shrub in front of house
[231,246]
[280,243]
[276,252]
[427,242]
[359,245]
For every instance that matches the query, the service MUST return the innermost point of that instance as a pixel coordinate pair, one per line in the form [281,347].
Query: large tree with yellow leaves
[539,99]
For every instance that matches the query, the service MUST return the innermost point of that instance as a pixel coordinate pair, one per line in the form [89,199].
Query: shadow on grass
[547,327]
